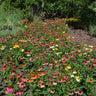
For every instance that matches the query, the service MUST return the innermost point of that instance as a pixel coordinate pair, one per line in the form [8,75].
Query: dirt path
[82,36]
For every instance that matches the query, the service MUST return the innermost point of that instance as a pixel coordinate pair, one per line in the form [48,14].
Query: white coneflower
[71,75]
[77,78]
[91,50]
[28,55]
[74,72]
[10,48]
[22,50]
[51,47]
[56,45]
[91,46]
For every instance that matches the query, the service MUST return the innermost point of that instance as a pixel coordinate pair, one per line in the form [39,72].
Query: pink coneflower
[64,63]
[54,83]
[67,59]
[50,51]
[60,81]
[16,93]
[45,57]
[94,63]
[72,51]
[11,77]
[22,85]
[14,66]
[9,89]
[66,77]
[92,59]
[52,91]
[80,92]
[55,76]
[66,53]
[64,57]
[65,45]
[88,54]
[50,79]
[71,93]
[76,52]
[42,85]
[61,41]
[31,60]
[16,43]
[89,68]
[76,91]
[51,64]
[41,53]
[22,58]
[13,73]
[85,63]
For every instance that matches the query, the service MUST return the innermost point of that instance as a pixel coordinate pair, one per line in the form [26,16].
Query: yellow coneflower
[63,32]
[3,47]
[85,45]
[22,50]
[16,46]
[51,47]
[57,39]
[68,67]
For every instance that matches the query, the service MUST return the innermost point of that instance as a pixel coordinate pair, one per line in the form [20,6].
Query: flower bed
[44,61]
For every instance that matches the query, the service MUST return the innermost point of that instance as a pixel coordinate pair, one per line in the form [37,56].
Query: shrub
[92,30]
[9,18]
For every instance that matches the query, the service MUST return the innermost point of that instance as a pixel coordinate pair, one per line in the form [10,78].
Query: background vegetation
[17,10]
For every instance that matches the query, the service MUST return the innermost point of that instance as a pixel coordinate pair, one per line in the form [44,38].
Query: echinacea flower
[71,93]
[77,78]
[16,93]
[42,85]
[76,91]
[74,72]
[52,91]
[9,89]
[94,63]
[16,46]
[90,81]
[18,75]
[3,47]
[80,92]
[22,50]
[54,83]
[5,67]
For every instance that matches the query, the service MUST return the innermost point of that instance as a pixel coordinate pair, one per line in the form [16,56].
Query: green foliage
[52,8]
[87,17]
[9,18]
[92,30]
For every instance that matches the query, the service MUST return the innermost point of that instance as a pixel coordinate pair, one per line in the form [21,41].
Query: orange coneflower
[18,75]
[30,81]
[49,84]
[24,64]
[32,73]
[24,79]
[34,77]
[5,67]
[43,73]
[90,80]
[37,76]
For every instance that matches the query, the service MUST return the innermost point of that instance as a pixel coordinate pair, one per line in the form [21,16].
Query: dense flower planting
[45,61]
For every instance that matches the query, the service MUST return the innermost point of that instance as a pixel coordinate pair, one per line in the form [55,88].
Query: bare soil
[82,36]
